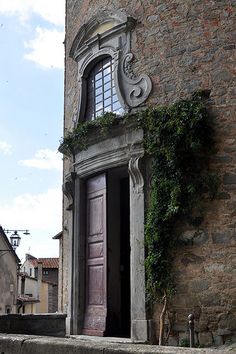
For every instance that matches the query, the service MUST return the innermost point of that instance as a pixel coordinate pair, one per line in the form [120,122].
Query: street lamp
[15,238]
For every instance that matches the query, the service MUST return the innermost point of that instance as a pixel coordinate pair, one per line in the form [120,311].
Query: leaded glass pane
[101,93]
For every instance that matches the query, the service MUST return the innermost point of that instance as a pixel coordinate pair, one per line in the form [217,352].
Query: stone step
[25,344]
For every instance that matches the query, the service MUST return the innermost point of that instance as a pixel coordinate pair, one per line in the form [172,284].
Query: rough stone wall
[52,275]
[52,298]
[184,46]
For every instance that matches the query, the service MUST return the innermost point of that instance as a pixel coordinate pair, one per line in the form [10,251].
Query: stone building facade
[162,51]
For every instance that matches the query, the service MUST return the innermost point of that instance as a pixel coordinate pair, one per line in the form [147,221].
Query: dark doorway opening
[125,257]
[118,253]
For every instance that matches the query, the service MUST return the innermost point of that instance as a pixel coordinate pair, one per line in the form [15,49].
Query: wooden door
[96,265]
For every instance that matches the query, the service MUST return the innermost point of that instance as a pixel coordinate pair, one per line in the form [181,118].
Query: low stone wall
[37,324]
[22,344]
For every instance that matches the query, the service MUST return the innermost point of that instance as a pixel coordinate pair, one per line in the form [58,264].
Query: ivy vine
[78,138]
[179,140]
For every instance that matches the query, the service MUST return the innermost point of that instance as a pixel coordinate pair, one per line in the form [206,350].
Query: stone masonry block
[221,238]
[205,339]
[200,285]
[229,178]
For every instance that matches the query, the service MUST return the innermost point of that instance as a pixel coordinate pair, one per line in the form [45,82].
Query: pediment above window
[109,35]
[103,25]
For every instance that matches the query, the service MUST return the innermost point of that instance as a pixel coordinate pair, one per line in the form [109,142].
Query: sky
[31,118]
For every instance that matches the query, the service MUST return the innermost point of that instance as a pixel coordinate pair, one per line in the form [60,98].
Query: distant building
[28,295]
[8,275]
[38,285]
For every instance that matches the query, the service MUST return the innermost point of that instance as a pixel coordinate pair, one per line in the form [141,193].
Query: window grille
[101,92]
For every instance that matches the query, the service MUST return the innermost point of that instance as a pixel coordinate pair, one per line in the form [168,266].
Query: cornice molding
[108,154]
[85,36]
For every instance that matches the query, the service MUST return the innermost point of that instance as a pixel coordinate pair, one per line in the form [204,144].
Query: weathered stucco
[8,284]
[184,46]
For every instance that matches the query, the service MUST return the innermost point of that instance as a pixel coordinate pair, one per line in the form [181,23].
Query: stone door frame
[124,150]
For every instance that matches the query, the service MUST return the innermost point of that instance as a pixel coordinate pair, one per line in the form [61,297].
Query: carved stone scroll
[136,175]
[136,88]
[68,189]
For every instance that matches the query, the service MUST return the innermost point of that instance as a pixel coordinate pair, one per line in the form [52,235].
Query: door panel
[96,264]
[95,285]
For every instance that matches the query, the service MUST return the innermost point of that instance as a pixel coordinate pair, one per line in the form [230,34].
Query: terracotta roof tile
[34,262]
[46,262]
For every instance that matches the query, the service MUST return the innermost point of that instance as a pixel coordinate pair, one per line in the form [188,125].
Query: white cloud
[5,148]
[44,159]
[40,211]
[47,48]
[41,214]
[52,11]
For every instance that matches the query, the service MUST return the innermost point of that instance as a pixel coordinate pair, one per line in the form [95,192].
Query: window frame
[85,70]
[105,35]
[101,90]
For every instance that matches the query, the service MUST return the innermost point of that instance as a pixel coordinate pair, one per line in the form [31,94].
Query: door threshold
[101,339]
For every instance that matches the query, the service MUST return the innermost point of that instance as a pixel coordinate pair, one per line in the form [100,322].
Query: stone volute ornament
[68,189]
[135,173]
[136,88]
[109,34]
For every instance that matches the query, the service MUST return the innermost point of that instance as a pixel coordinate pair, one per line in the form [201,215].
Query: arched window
[101,92]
